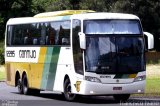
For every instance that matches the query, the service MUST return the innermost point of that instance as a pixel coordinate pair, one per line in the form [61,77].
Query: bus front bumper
[93,88]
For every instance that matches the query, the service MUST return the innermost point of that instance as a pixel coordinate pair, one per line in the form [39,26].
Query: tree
[147,10]
[97,5]
[75,4]
[15,8]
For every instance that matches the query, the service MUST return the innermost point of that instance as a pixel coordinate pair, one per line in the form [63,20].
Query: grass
[153,86]
[152,81]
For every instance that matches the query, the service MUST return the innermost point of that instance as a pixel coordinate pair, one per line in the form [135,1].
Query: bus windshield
[112,27]
[114,54]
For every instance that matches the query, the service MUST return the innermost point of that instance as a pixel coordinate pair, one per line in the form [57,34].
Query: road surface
[10,97]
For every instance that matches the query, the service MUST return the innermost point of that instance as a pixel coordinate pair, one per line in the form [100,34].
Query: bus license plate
[117,88]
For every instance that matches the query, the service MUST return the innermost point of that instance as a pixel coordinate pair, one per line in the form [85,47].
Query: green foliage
[1,55]
[16,8]
[152,86]
[2,52]
[147,10]
[97,5]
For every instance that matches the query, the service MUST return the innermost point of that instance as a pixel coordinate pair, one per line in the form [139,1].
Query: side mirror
[82,40]
[149,40]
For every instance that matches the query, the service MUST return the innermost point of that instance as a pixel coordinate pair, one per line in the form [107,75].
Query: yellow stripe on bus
[37,69]
[42,55]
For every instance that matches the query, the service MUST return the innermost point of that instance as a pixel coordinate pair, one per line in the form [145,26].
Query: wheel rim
[68,92]
[19,86]
[25,87]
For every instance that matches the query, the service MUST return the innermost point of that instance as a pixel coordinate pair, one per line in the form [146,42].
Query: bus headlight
[92,79]
[140,78]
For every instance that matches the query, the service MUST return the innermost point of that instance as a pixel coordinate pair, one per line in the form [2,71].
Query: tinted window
[49,33]
[77,54]
[9,33]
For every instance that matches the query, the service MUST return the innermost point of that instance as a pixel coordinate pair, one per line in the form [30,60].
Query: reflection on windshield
[130,54]
[112,27]
[112,54]
[98,49]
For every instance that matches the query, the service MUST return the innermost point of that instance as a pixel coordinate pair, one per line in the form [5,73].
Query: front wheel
[68,91]
[121,97]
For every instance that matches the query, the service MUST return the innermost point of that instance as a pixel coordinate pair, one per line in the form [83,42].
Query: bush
[1,56]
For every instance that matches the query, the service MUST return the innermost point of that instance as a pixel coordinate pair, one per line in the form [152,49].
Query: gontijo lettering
[27,53]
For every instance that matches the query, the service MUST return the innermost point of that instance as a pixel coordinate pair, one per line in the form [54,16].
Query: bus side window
[9,35]
[64,33]
[25,40]
[43,34]
[65,41]
[17,36]
[77,54]
[29,38]
[51,31]
[52,38]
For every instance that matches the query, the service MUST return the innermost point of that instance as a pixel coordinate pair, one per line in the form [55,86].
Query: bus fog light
[140,78]
[92,79]
[139,91]
[91,92]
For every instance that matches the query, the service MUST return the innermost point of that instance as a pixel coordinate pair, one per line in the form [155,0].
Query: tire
[19,86]
[121,97]
[68,91]
[25,85]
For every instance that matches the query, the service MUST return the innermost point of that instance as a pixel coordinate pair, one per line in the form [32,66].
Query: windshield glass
[111,54]
[112,27]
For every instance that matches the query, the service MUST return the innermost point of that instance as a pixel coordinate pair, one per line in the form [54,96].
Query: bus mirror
[82,40]
[149,40]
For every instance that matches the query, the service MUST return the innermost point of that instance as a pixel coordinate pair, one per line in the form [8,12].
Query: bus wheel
[121,97]
[25,85]
[68,91]
[19,85]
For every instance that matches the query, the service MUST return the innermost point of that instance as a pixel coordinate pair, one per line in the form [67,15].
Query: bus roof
[66,15]
[62,13]
[25,20]
[104,15]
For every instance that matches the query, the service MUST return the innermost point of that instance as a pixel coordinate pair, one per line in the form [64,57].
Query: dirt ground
[153,71]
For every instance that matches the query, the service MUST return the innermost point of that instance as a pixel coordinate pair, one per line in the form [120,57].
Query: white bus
[77,53]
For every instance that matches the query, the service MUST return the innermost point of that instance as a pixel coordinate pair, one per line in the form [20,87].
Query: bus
[76,52]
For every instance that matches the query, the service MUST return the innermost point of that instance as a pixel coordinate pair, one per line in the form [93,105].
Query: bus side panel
[12,68]
[50,67]
[10,74]
[64,67]
[37,69]
[21,59]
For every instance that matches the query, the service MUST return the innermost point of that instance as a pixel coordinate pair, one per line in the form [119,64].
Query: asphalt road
[10,97]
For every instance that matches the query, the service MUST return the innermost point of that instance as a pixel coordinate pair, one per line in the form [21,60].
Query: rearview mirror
[149,40]
[82,40]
